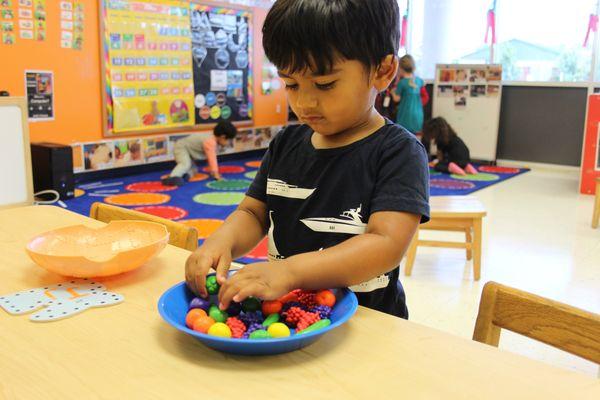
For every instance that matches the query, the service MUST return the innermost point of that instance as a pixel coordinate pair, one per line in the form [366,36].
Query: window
[537,40]
[448,31]
[542,40]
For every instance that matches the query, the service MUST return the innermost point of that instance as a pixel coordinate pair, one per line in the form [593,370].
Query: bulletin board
[221,48]
[171,65]
[468,96]
[148,71]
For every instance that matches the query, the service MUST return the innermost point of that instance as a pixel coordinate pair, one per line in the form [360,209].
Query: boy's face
[337,101]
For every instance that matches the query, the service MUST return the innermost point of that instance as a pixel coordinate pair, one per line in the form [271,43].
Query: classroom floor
[537,237]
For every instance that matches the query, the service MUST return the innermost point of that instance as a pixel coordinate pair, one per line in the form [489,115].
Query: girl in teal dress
[408,94]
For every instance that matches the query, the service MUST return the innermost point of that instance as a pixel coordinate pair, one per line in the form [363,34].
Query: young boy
[193,147]
[341,196]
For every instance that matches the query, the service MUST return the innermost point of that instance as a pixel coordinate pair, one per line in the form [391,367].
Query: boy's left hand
[265,280]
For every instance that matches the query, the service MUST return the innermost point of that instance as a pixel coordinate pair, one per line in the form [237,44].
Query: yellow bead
[278,330]
[219,329]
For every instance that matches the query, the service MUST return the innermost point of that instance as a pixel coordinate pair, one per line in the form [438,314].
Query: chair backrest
[180,235]
[559,325]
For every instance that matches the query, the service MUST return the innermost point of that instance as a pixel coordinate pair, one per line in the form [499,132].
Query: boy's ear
[386,72]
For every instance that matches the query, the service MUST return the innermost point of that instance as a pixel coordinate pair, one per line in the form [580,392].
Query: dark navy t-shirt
[317,198]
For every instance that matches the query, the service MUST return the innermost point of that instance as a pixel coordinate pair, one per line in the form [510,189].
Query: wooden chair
[559,325]
[180,235]
[596,216]
[456,214]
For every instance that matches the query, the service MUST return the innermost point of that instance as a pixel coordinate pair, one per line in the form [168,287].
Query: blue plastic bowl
[173,307]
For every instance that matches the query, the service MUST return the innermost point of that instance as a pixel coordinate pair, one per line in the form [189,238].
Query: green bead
[260,334]
[251,304]
[218,315]
[271,319]
[316,326]
[211,285]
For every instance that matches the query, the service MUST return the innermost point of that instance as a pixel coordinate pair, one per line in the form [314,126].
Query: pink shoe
[455,169]
[471,169]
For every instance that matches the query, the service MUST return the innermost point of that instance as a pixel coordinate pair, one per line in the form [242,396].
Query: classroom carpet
[205,203]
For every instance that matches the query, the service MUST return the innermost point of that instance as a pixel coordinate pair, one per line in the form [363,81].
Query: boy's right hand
[209,255]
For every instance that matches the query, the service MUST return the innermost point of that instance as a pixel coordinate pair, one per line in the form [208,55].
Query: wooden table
[127,352]
[457,214]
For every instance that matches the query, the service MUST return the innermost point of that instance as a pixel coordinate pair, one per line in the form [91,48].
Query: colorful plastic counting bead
[211,285]
[316,326]
[271,307]
[325,298]
[237,327]
[220,329]
[234,308]
[198,302]
[323,311]
[278,330]
[251,328]
[307,299]
[203,324]
[293,315]
[260,334]
[251,304]
[218,315]
[307,320]
[193,315]
[271,319]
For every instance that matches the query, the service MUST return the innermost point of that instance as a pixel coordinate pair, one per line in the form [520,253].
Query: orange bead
[325,298]
[271,307]
[203,324]
[193,315]
[291,296]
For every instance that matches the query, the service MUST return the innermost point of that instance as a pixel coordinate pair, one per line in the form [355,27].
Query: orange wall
[77,81]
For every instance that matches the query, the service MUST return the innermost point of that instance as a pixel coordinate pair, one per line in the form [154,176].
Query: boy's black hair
[225,128]
[301,35]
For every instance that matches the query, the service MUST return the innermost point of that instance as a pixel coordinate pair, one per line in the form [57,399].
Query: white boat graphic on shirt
[351,222]
[272,251]
[277,187]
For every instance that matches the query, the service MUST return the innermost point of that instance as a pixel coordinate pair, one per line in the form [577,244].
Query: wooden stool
[596,216]
[456,214]
[180,235]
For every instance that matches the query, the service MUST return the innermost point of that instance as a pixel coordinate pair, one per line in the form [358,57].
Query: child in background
[341,195]
[193,147]
[408,94]
[453,153]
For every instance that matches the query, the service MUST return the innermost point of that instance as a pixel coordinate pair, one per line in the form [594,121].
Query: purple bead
[323,311]
[250,318]
[234,309]
[198,302]
[251,328]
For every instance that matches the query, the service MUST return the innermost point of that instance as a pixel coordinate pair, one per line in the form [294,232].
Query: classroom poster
[128,152]
[97,156]
[156,149]
[149,74]
[78,25]
[39,16]
[66,24]
[7,23]
[39,86]
[221,49]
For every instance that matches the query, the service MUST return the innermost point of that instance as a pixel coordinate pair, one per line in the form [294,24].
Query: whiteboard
[476,122]
[15,159]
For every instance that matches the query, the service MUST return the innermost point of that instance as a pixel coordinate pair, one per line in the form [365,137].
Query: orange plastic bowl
[84,252]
